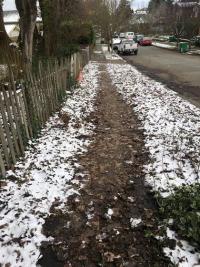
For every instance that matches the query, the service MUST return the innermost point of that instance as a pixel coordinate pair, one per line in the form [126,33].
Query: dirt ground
[96,227]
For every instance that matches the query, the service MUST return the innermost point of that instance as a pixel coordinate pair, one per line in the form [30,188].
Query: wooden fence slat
[4,144]
[16,118]
[53,85]
[56,88]
[33,110]
[17,104]
[30,133]
[44,90]
[7,131]
[23,113]
[2,166]
[50,92]
[10,121]
[38,99]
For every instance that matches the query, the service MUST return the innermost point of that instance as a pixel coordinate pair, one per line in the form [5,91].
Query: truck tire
[136,52]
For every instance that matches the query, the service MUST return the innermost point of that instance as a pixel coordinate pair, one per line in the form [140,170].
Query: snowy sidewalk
[171,127]
[44,176]
[47,174]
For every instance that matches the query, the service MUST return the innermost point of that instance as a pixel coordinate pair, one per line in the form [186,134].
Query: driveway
[179,71]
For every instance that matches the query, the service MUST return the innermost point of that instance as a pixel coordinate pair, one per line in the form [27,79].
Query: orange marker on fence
[80,76]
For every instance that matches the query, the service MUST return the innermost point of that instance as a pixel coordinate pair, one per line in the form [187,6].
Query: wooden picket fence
[24,111]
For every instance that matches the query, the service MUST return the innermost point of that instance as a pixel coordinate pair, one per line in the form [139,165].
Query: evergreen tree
[155,4]
[124,15]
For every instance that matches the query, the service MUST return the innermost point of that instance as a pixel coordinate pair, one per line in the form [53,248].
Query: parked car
[102,41]
[122,35]
[138,38]
[195,41]
[145,41]
[128,47]
[129,35]
[172,38]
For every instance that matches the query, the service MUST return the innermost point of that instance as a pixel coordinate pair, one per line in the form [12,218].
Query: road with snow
[179,71]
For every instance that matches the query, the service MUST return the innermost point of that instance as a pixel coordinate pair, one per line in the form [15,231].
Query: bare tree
[124,15]
[28,14]
[102,13]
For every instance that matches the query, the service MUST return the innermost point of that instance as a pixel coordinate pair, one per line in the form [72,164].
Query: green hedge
[184,208]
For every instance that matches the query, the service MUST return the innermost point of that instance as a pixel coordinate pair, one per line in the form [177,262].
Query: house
[140,21]
[140,16]
[191,7]
[11,22]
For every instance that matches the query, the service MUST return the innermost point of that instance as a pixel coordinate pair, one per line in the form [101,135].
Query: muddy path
[101,226]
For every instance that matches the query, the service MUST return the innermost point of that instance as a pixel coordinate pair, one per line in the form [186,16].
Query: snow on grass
[110,55]
[135,222]
[183,255]
[172,135]
[109,213]
[162,45]
[194,52]
[171,127]
[45,176]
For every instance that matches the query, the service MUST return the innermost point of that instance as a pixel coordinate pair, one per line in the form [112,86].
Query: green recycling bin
[183,47]
[172,38]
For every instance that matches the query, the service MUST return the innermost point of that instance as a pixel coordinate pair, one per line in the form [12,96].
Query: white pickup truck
[128,47]
[115,44]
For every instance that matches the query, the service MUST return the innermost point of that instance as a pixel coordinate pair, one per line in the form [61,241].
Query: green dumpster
[183,47]
[172,38]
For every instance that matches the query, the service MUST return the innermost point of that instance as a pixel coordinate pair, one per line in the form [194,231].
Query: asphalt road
[180,72]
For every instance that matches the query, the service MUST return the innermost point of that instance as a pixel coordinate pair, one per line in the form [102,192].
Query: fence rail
[24,111]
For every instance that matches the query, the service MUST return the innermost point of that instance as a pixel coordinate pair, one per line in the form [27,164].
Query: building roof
[9,28]
[12,17]
[188,3]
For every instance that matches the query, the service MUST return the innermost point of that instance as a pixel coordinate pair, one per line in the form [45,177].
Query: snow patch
[135,222]
[164,45]
[172,135]
[171,126]
[183,255]
[109,213]
[45,176]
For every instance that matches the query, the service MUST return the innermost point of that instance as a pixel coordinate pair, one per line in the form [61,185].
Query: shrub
[184,207]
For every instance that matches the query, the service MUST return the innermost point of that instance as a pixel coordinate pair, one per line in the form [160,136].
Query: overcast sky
[140,3]
[10,4]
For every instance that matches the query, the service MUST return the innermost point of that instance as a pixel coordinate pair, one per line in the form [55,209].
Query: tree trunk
[28,13]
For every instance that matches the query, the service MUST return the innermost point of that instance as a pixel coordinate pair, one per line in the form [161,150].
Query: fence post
[2,166]
[7,131]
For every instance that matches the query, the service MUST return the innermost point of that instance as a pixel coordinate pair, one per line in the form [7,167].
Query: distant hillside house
[140,16]
[11,22]
[191,7]
[142,11]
